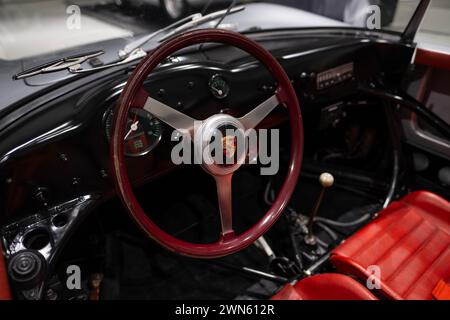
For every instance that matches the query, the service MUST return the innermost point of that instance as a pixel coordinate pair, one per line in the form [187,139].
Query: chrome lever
[326,180]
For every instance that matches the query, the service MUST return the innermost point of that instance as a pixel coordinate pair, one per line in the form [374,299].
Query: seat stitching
[403,238]
[413,254]
[435,261]
[389,227]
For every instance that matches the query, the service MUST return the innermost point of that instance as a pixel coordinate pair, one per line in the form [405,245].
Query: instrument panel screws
[76,181]
[63,157]
[41,195]
[268,88]
[161,93]
[103,174]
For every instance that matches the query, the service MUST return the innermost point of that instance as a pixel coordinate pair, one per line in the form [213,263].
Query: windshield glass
[37,27]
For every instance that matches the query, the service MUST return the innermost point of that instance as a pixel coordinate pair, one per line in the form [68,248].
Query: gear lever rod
[326,180]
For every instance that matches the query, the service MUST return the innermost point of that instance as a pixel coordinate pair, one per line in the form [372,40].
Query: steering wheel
[134,96]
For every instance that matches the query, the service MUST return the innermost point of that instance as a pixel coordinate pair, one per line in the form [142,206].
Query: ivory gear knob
[326,180]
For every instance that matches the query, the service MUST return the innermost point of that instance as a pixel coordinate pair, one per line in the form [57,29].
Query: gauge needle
[219,92]
[134,127]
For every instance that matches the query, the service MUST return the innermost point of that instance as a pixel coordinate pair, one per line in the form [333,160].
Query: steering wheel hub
[220,144]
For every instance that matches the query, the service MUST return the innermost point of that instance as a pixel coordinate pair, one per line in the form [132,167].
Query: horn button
[220,143]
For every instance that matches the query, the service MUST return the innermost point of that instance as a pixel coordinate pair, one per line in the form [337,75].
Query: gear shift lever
[326,180]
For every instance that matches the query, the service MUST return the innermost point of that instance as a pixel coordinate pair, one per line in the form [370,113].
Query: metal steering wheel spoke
[254,117]
[224,194]
[172,117]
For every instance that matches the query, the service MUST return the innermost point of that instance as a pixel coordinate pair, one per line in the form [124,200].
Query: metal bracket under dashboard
[47,230]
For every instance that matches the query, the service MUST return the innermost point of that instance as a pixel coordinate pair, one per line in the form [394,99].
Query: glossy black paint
[56,141]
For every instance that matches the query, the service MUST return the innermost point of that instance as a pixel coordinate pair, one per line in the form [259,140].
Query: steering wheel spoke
[172,117]
[224,194]
[254,117]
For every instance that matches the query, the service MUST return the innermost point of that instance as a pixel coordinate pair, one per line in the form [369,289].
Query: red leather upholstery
[409,242]
[5,293]
[325,287]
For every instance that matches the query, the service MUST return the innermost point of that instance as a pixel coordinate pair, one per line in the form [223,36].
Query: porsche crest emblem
[229,146]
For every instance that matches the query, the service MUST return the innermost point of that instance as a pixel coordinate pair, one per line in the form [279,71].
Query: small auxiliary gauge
[219,87]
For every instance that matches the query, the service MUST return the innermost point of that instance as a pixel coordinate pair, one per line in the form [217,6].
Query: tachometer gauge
[219,87]
[143,131]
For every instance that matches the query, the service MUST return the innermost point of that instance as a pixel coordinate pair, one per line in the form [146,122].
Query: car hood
[257,16]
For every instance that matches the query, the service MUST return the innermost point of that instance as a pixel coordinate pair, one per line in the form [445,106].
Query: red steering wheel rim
[132,96]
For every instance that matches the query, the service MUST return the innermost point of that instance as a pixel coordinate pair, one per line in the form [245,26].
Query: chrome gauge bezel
[213,91]
[107,120]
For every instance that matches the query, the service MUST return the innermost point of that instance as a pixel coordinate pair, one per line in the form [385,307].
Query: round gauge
[219,87]
[143,131]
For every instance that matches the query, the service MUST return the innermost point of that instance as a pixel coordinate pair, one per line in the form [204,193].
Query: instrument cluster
[143,132]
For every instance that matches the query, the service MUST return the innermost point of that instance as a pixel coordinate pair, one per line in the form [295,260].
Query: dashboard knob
[27,269]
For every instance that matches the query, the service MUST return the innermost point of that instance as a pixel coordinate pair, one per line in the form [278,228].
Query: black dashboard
[60,151]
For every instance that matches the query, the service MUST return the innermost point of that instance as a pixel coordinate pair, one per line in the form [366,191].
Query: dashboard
[61,152]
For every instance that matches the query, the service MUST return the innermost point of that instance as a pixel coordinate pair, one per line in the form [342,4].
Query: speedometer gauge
[143,131]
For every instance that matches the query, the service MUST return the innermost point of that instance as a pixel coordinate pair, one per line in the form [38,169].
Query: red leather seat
[5,293]
[325,287]
[409,242]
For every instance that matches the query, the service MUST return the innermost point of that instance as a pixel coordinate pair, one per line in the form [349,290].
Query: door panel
[428,82]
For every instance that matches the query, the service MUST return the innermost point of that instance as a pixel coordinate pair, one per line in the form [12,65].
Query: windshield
[32,28]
